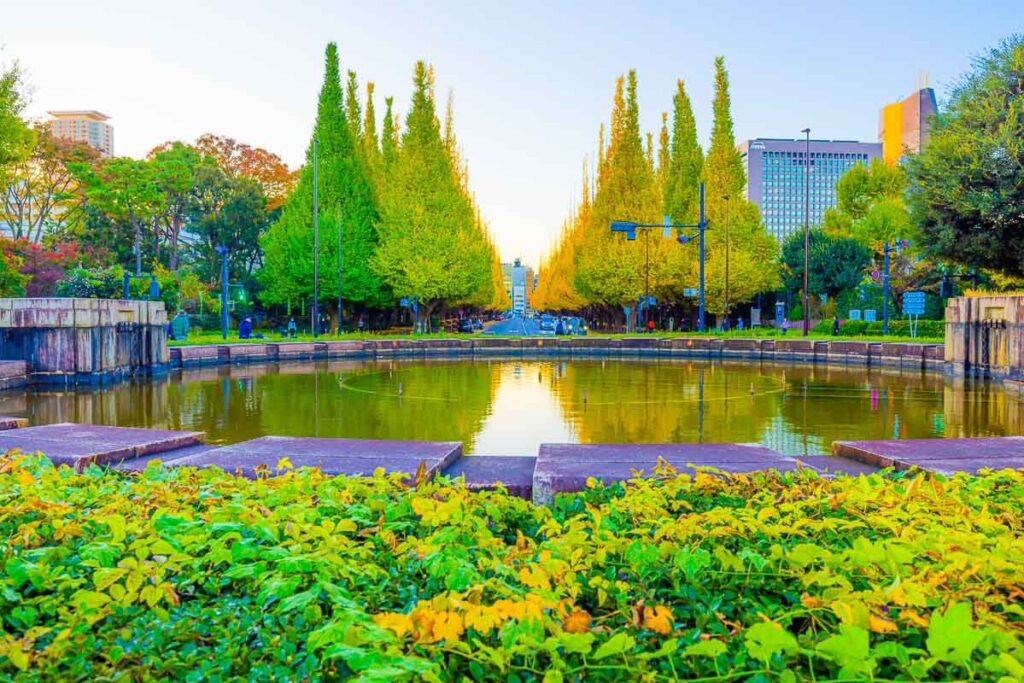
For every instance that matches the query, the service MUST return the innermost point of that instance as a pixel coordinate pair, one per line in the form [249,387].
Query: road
[515,327]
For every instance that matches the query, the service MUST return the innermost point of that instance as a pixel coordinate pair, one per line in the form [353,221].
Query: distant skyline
[532,81]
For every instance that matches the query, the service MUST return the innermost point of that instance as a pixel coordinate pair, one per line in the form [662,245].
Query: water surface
[510,407]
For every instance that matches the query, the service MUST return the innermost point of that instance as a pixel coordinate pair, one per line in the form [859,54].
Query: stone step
[485,472]
[946,456]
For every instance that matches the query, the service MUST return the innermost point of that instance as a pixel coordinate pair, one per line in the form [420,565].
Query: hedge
[897,328]
[184,574]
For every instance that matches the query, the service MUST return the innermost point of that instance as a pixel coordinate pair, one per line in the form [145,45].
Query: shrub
[198,575]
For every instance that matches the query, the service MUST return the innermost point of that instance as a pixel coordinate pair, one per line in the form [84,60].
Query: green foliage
[345,198]
[835,264]
[682,181]
[966,188]
[870,206]
[430,242]
[185,574]
[16,136]
[900,327]
[12,280]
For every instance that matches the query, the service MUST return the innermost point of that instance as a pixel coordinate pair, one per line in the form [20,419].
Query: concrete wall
[985,336]
[72,341]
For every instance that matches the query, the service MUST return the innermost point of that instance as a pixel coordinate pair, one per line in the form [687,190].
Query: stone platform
[7,422]
[947,456]
[566,467]
[353,457]
[79,445]
[485,472]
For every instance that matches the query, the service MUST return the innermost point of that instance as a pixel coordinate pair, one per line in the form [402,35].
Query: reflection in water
[499,407]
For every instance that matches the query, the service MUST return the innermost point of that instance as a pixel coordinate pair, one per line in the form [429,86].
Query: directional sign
[913,303]
[689,291]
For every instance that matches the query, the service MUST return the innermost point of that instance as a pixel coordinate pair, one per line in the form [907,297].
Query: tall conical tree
[389,135]
[345,193]
[682,179]
[664,153]
[370,144]
[429,245]
[752,252]
[353,110]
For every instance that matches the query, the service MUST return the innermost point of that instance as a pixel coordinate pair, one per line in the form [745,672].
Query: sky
[531,81]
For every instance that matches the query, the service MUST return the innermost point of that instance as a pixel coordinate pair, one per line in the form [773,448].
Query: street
[514,327]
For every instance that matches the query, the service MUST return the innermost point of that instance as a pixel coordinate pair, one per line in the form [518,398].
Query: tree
[835,264]
[40,197]
[752,252]
[12,281]
[966,189]
[870,207]
[429,242]
[229,211]
[345,196]
[686,159]
[174,170]
[16,137]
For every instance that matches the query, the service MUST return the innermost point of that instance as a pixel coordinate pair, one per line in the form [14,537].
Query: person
[361,324]
[292,327]
[245,328]
[785,326]
[835,325]
[739,325]
[650,326]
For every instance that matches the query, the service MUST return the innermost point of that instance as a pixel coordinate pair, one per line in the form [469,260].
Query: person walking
[835,325]
[293,329]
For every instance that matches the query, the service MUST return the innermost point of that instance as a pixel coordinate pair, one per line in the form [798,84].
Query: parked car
[477,324]
[466,326]
[547,324]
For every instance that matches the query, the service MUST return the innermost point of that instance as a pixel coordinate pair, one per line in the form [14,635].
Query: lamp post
[886,250]
[630,229]
[223,251]
[807,225]
[316,248]
[727,207]
[339,270]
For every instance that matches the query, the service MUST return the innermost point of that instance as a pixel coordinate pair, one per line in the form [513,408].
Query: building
[90,127]
[775,178]
[904,127]
[520,282]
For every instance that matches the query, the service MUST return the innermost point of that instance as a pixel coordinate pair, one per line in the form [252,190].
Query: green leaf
[950,636]
[616,645]
[850,649]
[576,643]
[768,639]
[705,648]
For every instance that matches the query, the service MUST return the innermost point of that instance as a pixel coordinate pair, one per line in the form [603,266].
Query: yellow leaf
[534,576]
[481,618]
[397,623]
[284,464]
[345,525]
[810,602]
[658,619]
[578,621]
[25,478]
[881,624]
[914,618]
[447,626]
[553,676]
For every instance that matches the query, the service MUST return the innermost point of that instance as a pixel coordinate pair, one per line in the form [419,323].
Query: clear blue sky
[532,80]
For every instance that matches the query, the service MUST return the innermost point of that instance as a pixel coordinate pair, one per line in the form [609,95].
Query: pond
[509,407]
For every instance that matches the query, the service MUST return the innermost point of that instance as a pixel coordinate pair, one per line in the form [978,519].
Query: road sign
[404,301]
[913,303]
[854,314]
[689,291]
[870,315]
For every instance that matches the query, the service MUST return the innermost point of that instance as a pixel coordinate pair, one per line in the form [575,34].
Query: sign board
[755,317]
[780,313]
[913,303]
[689,291]
[404,301]
[870,315]
[854,314]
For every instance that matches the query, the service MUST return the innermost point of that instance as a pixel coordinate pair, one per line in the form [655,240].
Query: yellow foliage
[397,623]
[658,619]
[578,621]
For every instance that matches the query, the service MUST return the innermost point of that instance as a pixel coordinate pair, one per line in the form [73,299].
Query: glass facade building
[775,178]
[86,126]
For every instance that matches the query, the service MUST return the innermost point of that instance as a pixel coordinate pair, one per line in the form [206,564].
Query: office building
[90,127]
[904,127]
[775,177]
[519,285]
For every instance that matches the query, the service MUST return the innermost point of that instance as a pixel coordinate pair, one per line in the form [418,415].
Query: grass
[204,337]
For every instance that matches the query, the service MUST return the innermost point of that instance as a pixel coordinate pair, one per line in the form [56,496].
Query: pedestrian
[360,324]
[785,326]
[739,325]
[245,328]
[293,329]
[835,325]
[650,326]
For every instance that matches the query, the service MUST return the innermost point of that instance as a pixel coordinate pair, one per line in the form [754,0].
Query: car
[477,325]
[547,324]
[466,326]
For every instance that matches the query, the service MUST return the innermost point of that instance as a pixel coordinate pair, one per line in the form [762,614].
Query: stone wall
[73,341]
[985,336]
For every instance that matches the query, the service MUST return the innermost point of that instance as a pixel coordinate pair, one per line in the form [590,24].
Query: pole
[885,292]
[701,226]
[647,278]
[316,248]
[138,250]
[807,226]
[339,269]
[727,207]
[223,292]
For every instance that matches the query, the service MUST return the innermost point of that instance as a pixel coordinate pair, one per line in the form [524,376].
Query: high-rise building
[520,282]
[775,178]
[90,127]
[904,127]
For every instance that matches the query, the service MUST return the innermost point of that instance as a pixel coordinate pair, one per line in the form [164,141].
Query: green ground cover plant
[184,574]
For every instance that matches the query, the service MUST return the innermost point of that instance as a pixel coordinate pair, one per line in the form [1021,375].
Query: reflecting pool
[510,407]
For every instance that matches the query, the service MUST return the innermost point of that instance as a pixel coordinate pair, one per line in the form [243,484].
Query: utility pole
[727,208]
[316,247]
[339,269]
[807,225]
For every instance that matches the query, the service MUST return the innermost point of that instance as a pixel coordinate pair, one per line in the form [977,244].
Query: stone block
[937,455]
[485,472]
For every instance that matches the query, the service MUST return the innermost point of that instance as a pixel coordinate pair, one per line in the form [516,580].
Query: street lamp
[223,251]
[807,225]
[340,330]
[726,198]
[316,247]
[886,249]
[630,228]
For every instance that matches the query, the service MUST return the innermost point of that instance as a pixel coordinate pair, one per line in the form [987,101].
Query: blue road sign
[913,303]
